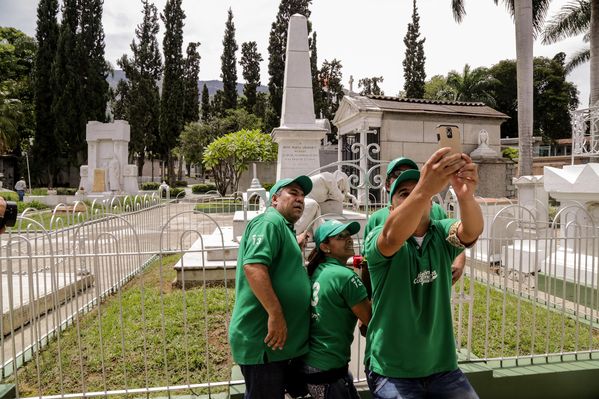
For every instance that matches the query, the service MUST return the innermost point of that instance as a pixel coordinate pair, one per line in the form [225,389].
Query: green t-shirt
[270,240]
[410,334]
[335,289]
[379,217]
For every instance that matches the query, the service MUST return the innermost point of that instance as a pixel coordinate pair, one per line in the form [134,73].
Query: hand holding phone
[449,136]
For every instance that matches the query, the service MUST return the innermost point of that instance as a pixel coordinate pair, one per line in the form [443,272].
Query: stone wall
[267,173]
[496,178]
[415,136]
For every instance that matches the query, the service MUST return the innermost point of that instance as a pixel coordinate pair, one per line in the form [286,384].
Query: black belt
[326,377]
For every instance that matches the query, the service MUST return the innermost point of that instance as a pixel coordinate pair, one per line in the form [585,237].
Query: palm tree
[575,18]
[528,17]
[472,85]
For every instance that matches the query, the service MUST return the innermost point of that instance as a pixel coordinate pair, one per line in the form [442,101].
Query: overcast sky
[367,36]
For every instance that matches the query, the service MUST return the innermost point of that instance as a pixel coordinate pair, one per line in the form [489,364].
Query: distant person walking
[20,188]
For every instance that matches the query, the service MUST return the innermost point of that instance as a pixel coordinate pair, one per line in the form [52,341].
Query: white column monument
[298,136]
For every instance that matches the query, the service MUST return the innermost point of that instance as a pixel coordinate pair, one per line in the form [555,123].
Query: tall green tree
[472,85]
[46,164]
[505,93]
[330,77]
[370,86]
[17,55]
[554,97]
[413,64]
[528,17]
[436,88]
[277,43]
[317,92]
[191,72]
[139,99]
[229,64]
[216,104]
[119,102]
[171,103]
[94,68]
[206,114]
[67,104]
[250,62]
[575,18]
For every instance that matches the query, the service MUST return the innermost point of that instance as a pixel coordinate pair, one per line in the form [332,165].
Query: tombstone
[107,171]
[532,196]
[298,136]
[497,171]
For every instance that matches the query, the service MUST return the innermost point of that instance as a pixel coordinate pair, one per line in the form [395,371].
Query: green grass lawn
[222,206]
[552,331]
[125,367]
[127,364]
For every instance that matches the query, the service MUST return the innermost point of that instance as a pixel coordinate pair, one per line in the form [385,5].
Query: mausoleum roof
[417,105]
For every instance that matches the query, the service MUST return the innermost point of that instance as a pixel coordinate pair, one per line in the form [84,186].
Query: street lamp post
[28,172]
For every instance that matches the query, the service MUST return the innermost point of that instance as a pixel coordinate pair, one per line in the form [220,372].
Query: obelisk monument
[298,136]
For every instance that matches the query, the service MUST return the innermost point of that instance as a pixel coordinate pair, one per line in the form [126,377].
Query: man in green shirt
[394,169]
[410,350]
[271,317]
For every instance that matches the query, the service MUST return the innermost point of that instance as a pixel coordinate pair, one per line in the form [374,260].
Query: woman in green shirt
[338,299]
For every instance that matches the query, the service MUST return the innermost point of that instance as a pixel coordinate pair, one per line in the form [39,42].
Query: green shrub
[221,206]
[511,153]
[21,206]
[39,191]
[150,185]
[267,186]
[202,188]
[180,183]
[9,196]
[66,191]
[174,192]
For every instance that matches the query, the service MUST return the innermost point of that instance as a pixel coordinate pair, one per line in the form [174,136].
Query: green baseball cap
[333,227]
[400,161]
[303,181]
[410,174]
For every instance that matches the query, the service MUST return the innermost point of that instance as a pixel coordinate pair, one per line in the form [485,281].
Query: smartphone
[449,136]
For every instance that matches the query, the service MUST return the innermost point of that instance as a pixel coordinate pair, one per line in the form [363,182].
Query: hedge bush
[180,183]
[202,188]
[267,186]
[66,191]
[174,192]
[150,185]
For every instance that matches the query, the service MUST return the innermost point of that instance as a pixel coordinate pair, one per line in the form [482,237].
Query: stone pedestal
[495,178]
[298,151]
[532,196]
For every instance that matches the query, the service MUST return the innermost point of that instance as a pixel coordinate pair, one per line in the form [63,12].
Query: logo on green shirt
[425,277]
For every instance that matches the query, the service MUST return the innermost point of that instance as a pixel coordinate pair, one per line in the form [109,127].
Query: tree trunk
[524,70]
[140,164]
[594,40]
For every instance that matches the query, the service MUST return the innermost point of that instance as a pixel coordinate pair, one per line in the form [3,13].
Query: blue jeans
[21,194]
[447,385]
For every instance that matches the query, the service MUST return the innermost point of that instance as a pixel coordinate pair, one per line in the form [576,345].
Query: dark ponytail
[315,258]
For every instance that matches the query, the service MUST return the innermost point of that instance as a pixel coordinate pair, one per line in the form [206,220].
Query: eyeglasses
[344,235]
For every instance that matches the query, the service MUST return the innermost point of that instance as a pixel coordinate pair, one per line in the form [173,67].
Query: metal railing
[94,307]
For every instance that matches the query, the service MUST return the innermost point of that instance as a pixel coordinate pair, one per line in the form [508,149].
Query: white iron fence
[134,296]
